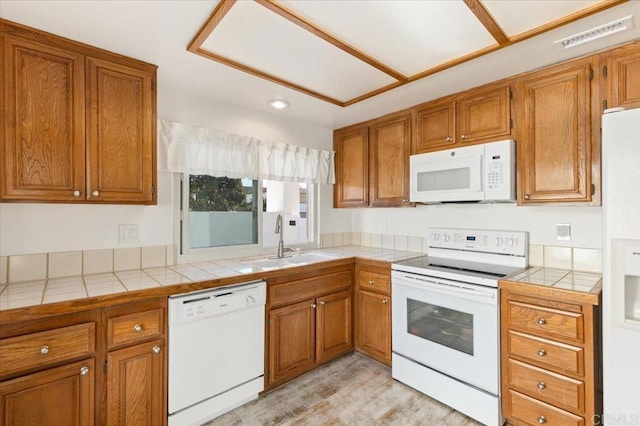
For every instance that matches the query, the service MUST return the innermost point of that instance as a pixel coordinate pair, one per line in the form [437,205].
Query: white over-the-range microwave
[476,173]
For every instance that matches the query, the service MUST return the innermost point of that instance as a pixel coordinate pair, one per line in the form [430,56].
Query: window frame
[181,221]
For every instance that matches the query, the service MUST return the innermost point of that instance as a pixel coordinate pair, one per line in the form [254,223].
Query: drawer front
[46,347]
[297,291]
[545,385]
[546,353]
[132,328]
[533,412]
[546,322]
[371,281]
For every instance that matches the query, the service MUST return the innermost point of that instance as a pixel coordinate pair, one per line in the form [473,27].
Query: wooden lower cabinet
[135,382]
[309,321]
[373,309]
[60,396]
[551,362]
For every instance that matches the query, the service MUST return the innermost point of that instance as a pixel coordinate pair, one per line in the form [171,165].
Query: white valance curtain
[183,148]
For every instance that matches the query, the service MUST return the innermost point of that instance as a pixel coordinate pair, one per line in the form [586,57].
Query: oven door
[449,326]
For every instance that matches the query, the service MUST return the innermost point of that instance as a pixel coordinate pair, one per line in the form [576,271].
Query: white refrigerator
[621,274]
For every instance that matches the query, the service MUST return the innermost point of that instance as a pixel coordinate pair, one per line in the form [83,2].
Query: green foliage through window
[208,193]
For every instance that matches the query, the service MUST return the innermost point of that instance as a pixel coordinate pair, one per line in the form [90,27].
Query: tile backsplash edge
[579,259]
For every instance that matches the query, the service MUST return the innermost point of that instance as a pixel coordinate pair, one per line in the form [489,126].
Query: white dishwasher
[216,351]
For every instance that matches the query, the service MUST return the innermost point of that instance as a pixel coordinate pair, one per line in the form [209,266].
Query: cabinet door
[623,77]
[554,134]
[389,150]
[121,139]
[334,325]
[352,167]
[135,385]
[435,127]
[291,340]
[484,116]
[62,396]
[43,122]
[373,327]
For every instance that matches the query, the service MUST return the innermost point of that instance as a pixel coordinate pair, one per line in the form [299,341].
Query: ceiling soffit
[345,52]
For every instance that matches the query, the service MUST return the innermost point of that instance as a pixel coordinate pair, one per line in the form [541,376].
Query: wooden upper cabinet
[484,115]
[389,150]
[621,72]
[435,127]
[476,116]
[554,134]
[79,122]
[120,132]
[352,167]
[44,149]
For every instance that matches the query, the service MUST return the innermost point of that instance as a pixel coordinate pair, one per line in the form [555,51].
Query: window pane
[222,211]
[291,200]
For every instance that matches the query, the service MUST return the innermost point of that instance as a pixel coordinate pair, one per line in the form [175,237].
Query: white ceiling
[407,36]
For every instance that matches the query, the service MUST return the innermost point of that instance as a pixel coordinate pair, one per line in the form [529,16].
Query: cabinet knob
[542,420]
[527,196]
[84,371]
[542,385]
[405,201]
[322,302]
[313,305]
[541,321]
[137,328]
[385,301]
[76,193]
[372,282]
[449,138]
[463,136]
[44,350]
[95,193]
[542,352]
[156,349]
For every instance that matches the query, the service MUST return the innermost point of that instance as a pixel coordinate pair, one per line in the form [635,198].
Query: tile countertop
[33,293]
[560,279]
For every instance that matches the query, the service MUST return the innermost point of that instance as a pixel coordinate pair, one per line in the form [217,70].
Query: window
[221,212]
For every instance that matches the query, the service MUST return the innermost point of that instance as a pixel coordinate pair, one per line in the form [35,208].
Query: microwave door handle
[452,289]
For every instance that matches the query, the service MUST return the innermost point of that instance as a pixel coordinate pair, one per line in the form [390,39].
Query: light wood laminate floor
[353,390]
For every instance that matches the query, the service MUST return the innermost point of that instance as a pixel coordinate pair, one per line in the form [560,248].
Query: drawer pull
[84,371]
[542,385]
[385,301]
[156,349]
[137,328]
[372,282]
[542,420]
[542,352]
[44,350]
[541,321]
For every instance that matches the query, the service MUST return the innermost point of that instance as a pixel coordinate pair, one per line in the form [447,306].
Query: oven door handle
[449,288]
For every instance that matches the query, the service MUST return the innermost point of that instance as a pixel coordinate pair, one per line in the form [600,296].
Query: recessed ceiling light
[279,104]
[605,30]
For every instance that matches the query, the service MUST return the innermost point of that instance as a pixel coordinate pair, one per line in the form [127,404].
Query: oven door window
[447,327]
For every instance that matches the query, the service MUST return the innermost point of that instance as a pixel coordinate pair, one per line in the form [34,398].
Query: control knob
[499,241]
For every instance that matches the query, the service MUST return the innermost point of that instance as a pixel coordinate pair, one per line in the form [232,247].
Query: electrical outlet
[563,232]
[130,233]
[383,224]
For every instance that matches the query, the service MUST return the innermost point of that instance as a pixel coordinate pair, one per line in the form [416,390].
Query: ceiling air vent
[605,30]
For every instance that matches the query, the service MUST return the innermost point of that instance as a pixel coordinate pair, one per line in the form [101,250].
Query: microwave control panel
[500,171]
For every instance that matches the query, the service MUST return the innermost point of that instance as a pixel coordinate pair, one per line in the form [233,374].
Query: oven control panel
[489,241]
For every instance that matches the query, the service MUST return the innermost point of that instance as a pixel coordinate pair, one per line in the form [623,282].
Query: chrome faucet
[279,230]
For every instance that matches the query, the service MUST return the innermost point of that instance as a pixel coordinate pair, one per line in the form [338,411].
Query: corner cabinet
[558,149]
[309,321]
[79,123]
[476,116]
[372,163]
[373,309]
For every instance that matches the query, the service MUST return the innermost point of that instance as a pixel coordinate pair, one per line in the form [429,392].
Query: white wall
[37,228]
[539,221]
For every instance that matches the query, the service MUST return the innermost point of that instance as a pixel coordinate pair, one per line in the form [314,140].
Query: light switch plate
[563,232]
[130,233]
